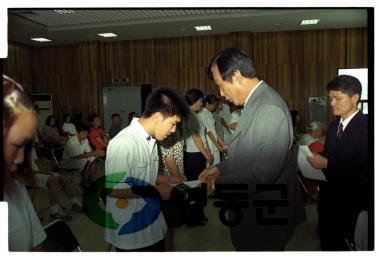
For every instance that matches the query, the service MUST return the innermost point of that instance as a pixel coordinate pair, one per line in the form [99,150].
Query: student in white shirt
[197,152]
[215,144]
[20,120]
[78,154]
[235,116]
[132,156]
[68,127]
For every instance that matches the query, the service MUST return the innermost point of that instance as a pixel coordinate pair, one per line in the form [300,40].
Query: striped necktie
[339,134]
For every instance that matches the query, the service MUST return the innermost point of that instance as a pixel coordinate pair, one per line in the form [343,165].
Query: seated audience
[50,134]
[115,126]
[68,127]
[53,182]
[315,132]
[79,155]
[97,137]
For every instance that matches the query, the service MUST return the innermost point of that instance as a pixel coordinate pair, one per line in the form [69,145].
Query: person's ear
[355,98]
[237,77]
[157,117]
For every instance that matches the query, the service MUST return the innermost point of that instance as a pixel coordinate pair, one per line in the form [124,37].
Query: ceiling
[81,25]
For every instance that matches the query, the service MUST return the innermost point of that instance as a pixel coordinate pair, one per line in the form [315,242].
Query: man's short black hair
[114,115]
[167,101]
[230,60]
[347,84]
[81,127]
[193,95]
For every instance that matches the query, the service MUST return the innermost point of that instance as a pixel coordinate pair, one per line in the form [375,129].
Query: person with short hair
[132,157]
[98,138]
[115,125]
[260,153]
[20,122]
[344,162]
[315,132]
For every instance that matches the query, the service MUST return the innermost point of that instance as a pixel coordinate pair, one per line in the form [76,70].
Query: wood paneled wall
[298,64]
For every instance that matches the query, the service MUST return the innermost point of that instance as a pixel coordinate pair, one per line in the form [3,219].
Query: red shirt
[95,133]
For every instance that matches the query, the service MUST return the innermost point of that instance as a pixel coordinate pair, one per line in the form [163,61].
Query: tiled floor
[214,236]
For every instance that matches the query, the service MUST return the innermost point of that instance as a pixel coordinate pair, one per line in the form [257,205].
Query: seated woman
[50,135]
[97,137]
[68,127]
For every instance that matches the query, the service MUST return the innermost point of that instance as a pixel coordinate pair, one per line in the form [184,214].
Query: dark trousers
[157,247]
[331,232]
[194,163]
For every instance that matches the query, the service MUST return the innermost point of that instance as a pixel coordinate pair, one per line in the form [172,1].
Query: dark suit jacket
[259,153]
[345,192]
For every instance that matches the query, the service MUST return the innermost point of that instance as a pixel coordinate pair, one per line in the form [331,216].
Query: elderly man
[259,156]
[345,163]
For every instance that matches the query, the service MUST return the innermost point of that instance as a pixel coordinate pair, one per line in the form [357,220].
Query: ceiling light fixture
[309,22]
[107,34]
[202,28]
[41,39]
[64,11]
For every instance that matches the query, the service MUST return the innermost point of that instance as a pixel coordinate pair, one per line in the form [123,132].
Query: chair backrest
[60,238]
[57,154]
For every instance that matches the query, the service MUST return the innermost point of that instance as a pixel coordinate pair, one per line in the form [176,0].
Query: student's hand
[317,161]
[209,157]
[164,190]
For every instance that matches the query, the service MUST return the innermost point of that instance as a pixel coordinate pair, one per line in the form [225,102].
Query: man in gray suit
[260,156]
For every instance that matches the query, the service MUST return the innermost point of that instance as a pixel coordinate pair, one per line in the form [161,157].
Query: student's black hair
[167,101]
[91,118]
[230,60]
[210,99]
[114,115]
[81,127]
[349,85]
[193,95]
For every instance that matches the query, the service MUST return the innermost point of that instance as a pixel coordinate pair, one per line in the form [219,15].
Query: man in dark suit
[344,162]
[259,156]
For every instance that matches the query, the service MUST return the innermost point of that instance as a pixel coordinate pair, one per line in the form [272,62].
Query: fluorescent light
[107,35]
[64,11]
[202,28]
[41,39]
[310,22]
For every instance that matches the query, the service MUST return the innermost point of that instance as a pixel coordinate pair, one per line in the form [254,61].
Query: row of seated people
[76,155]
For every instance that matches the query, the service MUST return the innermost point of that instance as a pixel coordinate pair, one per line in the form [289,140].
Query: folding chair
[60,238]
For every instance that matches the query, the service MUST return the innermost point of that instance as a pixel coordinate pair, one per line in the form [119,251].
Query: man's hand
[317,161]
[164,190]
[169,180]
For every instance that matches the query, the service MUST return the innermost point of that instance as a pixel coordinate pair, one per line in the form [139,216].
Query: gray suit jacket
[260,154]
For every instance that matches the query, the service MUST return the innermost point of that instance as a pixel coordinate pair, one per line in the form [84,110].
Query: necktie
[339,134]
